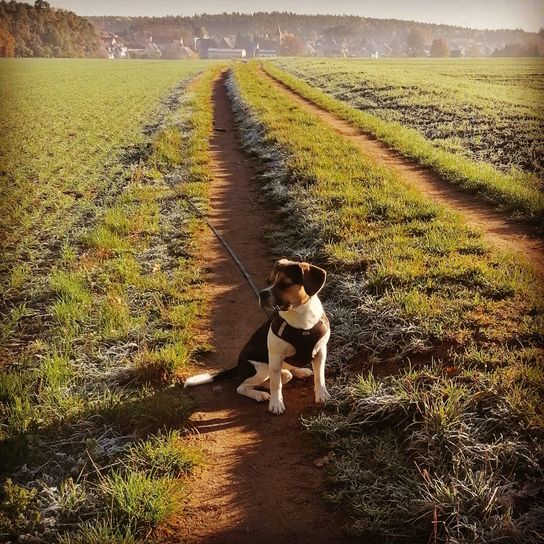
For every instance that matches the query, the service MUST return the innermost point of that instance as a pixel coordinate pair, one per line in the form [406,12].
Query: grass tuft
[103,532]
[164,455]
[139,500]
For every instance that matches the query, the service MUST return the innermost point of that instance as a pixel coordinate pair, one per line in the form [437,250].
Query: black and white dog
[295,336]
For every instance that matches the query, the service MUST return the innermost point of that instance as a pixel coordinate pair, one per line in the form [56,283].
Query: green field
[434,430]
[478,123]
[63,124]
[98,304]
[489,110]
[410,283]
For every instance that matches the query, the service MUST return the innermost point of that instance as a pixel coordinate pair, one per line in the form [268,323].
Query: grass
[17,514]
[511,189]
[164,455]
[101,533]
[139,499]
[427,453]
[436,451]
[52,173]
[144,492]
[498,98]
[106,329]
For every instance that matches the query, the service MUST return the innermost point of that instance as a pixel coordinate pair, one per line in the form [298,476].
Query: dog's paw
[276,407]
[302,372]
[322,395]
[261,396]
[286,376]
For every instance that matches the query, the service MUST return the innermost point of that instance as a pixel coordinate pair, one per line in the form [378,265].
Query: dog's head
[291,284]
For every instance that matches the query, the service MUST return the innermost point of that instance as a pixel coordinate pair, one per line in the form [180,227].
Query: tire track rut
[498,229]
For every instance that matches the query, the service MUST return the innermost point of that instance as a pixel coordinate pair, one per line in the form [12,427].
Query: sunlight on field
[62,121]
[509,188]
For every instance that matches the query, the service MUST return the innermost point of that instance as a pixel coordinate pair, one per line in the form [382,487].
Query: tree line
[355,33]
[42,31]
[416,46]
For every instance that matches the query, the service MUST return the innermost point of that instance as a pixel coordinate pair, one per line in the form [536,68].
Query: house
[135,53]
[202,45]
[267,42]
[113,45]
[177,50]
[309,50]
[150,51]
[334,48]
[266,53]
[249,44]
[117,50]
[221,53]
[226,43]
[387,50]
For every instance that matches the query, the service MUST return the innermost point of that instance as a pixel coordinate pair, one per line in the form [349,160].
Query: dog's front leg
[276,405]
[318,364]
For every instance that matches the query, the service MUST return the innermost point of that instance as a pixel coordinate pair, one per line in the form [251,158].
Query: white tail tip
[198,380]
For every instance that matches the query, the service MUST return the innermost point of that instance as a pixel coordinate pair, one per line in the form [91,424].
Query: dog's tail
[209,378]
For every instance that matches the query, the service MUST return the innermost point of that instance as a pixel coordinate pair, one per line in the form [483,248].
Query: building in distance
[223,53]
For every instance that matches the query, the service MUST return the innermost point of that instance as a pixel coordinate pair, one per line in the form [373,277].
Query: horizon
[527,15]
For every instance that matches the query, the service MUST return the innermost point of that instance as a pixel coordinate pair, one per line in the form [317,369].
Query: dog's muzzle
[268,301]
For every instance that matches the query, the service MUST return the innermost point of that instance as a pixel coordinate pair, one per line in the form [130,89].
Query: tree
[440,48]
[7,42]
[415,42]
[292,46]
[517,50]
[40,31]
[338,33]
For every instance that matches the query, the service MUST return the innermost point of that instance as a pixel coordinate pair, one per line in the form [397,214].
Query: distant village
[204,48]
[332,43]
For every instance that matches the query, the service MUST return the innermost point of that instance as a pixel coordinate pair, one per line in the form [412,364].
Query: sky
[525,14]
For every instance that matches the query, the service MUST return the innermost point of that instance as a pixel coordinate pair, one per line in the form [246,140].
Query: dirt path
[493,225]
[261,484]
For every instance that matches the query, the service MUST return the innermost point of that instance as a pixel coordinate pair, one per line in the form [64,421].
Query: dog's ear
[293,271]
[313,278]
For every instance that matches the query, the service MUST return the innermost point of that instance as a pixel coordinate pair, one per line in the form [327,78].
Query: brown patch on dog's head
[291,284]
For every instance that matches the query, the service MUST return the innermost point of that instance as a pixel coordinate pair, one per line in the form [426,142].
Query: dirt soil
[495,226]
[261,483]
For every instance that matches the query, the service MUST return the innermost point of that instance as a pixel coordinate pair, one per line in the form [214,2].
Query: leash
[229,249]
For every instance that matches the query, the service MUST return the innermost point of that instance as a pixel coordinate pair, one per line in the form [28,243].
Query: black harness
[303,340]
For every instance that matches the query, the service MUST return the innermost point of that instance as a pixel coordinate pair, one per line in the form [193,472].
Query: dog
[295,336]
